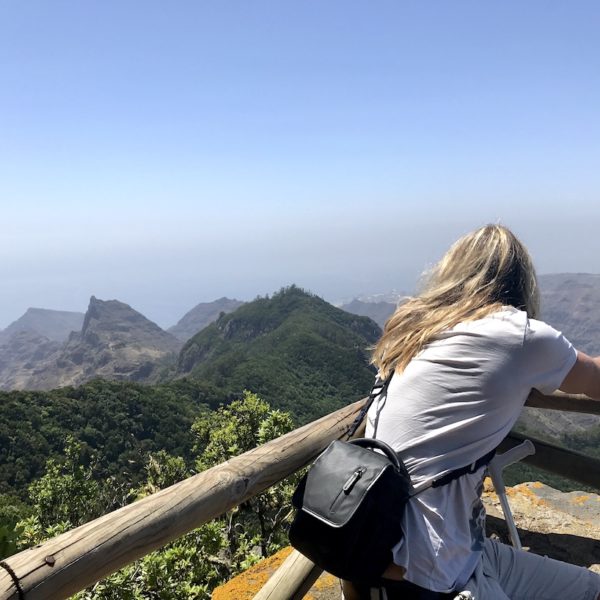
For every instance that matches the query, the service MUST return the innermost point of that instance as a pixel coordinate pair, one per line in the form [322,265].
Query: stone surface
[562,526]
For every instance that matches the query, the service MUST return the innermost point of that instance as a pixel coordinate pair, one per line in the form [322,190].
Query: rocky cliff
[115,342]
[30,341]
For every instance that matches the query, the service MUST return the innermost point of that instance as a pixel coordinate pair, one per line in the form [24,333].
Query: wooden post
[292,580]
[76,559]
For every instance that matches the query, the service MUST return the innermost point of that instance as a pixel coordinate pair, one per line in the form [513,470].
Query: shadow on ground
[574,549]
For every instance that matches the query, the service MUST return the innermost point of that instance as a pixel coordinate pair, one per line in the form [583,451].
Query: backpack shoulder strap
[378,388]
[480,462]
[448,477]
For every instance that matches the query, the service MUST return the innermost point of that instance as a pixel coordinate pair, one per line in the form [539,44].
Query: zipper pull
[353,479]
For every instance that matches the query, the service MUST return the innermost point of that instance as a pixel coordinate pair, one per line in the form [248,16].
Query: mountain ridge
[56,325]
[297,351]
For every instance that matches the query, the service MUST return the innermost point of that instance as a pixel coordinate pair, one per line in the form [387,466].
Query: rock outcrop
[562,526]
[565,526]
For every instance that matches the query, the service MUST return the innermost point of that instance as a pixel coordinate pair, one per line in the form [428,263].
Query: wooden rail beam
[565,402]
[560,461]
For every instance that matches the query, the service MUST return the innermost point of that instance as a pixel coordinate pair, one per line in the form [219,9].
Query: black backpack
[350,504]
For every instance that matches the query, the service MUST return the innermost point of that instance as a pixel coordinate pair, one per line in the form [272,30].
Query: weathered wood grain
[292,580]
[564,402]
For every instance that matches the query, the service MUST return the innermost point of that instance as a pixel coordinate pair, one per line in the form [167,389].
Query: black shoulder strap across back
[448,477]
[378,388]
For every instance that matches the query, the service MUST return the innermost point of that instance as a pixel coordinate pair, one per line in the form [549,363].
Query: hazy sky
[168,153]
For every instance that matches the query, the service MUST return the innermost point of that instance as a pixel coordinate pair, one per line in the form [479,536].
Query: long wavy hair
[481,272]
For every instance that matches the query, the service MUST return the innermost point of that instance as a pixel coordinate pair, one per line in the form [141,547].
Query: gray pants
[509,574]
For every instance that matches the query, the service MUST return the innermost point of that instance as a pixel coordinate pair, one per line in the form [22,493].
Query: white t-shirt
[454,402]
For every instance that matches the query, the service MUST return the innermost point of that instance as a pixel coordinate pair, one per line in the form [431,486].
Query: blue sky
[167,153]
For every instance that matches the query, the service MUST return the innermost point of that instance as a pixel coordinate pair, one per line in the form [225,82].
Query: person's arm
[584,377]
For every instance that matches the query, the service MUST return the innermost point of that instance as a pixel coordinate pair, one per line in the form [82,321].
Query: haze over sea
[171,153]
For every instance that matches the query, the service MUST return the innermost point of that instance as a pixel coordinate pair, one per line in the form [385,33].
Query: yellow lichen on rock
[488,486]
[247,584]
[525,490]
[580,499]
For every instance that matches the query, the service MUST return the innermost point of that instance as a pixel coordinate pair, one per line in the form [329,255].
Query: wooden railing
[74,560]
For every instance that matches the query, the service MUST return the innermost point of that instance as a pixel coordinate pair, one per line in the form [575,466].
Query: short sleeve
[549,356]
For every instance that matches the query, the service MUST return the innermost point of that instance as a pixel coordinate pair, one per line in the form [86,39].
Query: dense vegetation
[71,493]
[300,353]
[116,424]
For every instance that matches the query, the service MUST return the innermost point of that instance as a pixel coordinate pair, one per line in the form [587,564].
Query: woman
[465,354]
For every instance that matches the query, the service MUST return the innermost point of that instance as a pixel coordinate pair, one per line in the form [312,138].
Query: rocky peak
[115,342]
[111,321]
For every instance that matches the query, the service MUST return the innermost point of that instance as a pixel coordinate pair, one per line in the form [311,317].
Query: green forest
[74,489]
[299,352]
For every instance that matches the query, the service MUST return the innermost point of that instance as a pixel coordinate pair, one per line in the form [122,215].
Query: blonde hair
[481,272]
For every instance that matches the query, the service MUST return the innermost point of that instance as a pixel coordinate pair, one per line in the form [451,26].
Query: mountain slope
[21,354]
[379,312]
[571,304]
[297,351]
[117,422]
[200,316]
[56,325]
